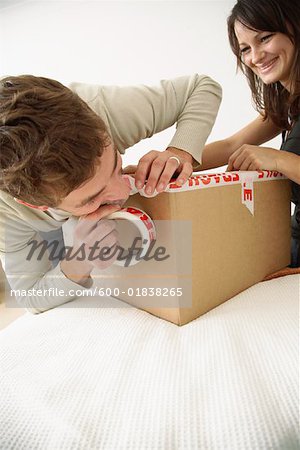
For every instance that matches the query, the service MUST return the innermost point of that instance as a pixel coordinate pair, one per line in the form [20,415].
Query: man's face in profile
[105,187]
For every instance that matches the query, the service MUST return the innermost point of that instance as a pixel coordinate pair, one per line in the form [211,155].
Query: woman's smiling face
[268,54]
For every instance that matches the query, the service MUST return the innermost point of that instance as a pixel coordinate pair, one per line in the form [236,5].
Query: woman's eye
[266,38]
[244,50]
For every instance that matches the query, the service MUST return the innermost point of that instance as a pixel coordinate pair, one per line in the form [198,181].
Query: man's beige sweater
[130,114]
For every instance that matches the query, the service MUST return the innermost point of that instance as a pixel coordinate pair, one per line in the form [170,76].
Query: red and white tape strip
[146,221]
[207,180]
[145,228]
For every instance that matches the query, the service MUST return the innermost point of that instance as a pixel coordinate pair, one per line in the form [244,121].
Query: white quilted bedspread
[116,377]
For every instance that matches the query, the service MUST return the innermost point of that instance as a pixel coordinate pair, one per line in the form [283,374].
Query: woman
[265,37]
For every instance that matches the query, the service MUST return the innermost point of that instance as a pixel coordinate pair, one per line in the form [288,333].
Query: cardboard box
[225,232]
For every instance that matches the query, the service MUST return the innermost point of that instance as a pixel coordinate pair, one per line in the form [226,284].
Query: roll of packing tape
[136,232]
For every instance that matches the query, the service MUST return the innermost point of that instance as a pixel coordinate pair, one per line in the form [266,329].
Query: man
[60,157]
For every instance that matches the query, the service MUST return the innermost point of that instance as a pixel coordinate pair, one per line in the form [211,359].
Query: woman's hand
[155,169]
[252,157]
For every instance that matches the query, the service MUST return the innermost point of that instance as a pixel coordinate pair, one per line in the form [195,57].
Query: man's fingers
[106,258]
[143,168]
[164,169]
[87,230]
[160,170]
[105,233]
[100,213]
[186,172]
[169,172]
[88,223]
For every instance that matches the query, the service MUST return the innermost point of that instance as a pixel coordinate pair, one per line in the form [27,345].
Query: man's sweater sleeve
[138,112]
[27,262]
[35,285]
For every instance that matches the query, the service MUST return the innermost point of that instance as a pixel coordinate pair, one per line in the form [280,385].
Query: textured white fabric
[116,377]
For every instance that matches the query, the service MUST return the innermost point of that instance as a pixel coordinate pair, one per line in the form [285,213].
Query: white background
[126,42]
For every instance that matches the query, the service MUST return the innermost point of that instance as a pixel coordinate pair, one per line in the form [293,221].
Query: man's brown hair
[49,139]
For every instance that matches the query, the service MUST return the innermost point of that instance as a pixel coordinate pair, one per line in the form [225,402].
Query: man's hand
[252,157]
[96,239]
[157,168]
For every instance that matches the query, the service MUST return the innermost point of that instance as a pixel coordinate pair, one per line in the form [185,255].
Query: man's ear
[41,208]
